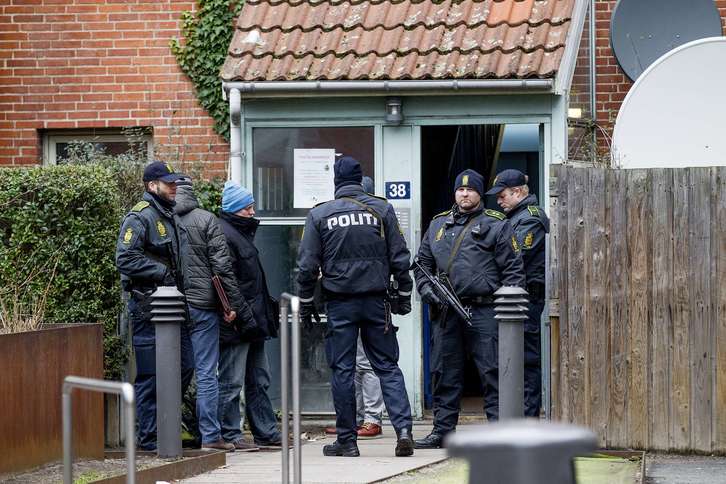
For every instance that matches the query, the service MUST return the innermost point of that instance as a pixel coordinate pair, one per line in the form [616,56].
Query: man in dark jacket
[204,256]
[148,255]
[356,242]
[476,249]
[531,226]
[243,362]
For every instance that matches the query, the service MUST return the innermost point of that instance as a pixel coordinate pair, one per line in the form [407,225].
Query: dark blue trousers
[144,340]
[452,343]
[346,317]
[533,361]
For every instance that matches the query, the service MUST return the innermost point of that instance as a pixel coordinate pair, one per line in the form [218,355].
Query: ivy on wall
[207,34]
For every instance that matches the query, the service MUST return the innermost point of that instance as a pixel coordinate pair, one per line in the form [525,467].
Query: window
[58,145]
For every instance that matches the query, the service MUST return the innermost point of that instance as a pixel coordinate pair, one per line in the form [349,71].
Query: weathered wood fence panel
[638,281]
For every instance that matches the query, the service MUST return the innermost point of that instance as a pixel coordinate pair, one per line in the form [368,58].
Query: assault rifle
[442,287]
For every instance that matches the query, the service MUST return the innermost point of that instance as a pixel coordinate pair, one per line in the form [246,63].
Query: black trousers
[533,360]
[452,343]
[346,317]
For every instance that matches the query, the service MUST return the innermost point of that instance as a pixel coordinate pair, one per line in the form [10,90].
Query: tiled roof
[397,39]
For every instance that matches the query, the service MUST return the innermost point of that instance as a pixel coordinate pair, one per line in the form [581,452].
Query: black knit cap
[470,179]
[347,171]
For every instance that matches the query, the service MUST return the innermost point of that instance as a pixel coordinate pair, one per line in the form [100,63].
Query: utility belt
[477,300]
[536,291]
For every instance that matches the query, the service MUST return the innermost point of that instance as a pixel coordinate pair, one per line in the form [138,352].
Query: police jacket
[477,250]
[205,255]
[356,241]
[240,233]
[147,251]
[531,225]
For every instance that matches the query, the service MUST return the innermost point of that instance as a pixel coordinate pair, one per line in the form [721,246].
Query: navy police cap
[158,170]
[507,179]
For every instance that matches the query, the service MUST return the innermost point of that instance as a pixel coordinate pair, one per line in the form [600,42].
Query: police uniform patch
[128,235]
[465,180]
[160,228]
[515,245]
[495,214]
[168,167]
[528,240]
[439,234]
[442,214]
[140,206]
[533,210]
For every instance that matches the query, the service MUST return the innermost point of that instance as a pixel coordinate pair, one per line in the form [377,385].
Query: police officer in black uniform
[531,225]
[476,249]
[356,242]
[148,256]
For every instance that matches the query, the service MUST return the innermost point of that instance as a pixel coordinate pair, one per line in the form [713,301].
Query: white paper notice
[313,177]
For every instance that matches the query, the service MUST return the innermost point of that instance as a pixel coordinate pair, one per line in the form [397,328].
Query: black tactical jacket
[205,255]
[487,257]
[531,225]
[147,251]
[357,244]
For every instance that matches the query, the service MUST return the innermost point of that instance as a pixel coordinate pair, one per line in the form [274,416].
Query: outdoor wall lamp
[394,110]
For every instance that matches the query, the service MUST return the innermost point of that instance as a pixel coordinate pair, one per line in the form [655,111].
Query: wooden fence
[638,287]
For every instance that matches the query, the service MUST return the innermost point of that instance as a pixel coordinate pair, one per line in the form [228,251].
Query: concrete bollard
[511,312]
[168,311]
[521,451]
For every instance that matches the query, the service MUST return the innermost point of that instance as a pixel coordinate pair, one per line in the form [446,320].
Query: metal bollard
[511,312]
[521,451]
[168,311]
[294,303]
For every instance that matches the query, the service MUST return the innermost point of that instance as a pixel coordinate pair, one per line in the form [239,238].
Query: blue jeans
[244,367]
[205,344]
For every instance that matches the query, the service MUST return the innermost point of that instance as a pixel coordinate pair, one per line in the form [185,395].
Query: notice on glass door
[313,177]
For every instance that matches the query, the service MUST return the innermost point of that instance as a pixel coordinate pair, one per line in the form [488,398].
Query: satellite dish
[672,116]
[643,30]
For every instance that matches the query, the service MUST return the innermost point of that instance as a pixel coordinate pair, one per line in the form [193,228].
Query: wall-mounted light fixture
[394,110]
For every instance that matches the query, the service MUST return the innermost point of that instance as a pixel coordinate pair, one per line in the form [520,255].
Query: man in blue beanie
[243,364]
[476,249]
[356,242]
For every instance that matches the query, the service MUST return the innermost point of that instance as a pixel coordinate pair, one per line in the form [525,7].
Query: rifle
[443,288]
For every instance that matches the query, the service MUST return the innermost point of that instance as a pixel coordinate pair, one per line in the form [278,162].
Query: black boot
[404,446]
[431,441]
[336,449]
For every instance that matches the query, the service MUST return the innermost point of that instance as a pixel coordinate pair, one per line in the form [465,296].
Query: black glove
[402,305]
[246,321]
[169,279]
[429,296]
[308,312]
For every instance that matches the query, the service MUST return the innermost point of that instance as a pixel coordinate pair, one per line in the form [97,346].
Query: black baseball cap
[507,179]
[158,170]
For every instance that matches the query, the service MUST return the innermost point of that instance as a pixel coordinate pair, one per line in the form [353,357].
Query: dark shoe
[431,441]
[369,430]
[243,446]
[404,446]
[336,449]
[219,445]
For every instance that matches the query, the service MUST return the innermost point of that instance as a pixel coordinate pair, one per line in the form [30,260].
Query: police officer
[356,242]
[531,225]
[147,256]
[477,251]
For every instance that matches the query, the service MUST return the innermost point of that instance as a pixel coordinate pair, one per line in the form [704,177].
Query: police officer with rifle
[148,255]
[355,241]
[471,252]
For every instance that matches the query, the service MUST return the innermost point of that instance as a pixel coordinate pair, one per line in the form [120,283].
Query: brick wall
[612,84]
[98,64]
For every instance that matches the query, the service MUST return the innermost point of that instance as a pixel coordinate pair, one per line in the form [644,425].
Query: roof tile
[398,39]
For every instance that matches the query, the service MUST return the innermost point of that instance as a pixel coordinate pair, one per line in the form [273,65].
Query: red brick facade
[74,64]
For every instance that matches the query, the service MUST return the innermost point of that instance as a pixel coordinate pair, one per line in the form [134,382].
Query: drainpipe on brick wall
[235,135]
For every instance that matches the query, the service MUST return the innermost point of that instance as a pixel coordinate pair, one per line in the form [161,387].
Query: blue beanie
[347,171]
[471,179]
[235,197]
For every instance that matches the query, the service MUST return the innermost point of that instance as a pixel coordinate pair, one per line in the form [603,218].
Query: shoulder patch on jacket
[140,206]
[442,214]
[533,210]
[495,214]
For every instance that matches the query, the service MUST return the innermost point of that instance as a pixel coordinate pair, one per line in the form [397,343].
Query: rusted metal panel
[32,368]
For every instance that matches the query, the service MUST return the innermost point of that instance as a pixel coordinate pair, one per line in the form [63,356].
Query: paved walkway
[375,463]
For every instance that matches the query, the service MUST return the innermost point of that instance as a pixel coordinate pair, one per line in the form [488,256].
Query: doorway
[445,152]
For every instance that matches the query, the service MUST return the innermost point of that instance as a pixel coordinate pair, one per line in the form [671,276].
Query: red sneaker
[369,430]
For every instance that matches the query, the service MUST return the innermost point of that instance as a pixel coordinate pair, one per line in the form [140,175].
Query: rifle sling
[369,210]
[457,244]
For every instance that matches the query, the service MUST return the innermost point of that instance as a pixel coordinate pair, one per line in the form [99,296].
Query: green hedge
[58,231]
